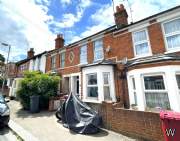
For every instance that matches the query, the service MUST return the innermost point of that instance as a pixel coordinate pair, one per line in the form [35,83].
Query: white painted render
[99,70]
[72,82]
[169,75]
[14,87]
[34,65]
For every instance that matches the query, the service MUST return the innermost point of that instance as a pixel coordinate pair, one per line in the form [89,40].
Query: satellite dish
[124,60]
[108,49]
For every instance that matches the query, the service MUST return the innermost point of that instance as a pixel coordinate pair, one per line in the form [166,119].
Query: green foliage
[36,83]
[2,59]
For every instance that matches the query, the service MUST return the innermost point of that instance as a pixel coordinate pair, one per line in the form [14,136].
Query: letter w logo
[170,132]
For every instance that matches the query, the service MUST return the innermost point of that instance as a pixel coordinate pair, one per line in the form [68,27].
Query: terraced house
[135,65]
[31,63]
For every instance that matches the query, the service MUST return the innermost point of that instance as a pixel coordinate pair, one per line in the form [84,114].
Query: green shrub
[36,83]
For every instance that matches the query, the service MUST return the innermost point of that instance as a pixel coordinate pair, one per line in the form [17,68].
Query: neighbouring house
[135,65]
[31,63]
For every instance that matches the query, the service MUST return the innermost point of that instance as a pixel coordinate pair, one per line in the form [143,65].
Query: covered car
[78,116]
[4,112]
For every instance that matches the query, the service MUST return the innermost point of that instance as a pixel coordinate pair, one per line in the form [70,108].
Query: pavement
[44,126]
[7,135]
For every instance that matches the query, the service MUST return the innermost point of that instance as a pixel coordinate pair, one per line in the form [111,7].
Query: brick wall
[139,124]
[90,54]
[121,46]
[157,42]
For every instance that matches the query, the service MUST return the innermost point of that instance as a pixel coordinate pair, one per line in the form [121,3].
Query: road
[7,135]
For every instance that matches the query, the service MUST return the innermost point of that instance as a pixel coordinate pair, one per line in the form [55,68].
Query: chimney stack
[121,16]
[30,53]
[59,41]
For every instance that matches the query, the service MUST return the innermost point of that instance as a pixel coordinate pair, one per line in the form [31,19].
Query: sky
[26,24]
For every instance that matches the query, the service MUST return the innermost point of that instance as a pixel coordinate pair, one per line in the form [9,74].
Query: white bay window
[156,94]
[178,81]
[98,84]
[92,87]
[106,82]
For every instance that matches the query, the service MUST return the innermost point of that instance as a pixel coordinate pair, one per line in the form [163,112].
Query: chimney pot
[121,7]
[30,53]
[121,16]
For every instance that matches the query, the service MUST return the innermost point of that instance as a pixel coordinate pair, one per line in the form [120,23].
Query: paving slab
[44,126]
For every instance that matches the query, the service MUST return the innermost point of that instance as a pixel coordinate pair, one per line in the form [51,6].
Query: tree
[2,59]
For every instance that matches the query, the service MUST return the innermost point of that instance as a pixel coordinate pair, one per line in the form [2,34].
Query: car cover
[78,116]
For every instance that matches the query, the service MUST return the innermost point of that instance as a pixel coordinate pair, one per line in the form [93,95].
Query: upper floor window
[53,62]
[172,34]
[98,50]
[38,63]
[141,43]
[83,54]
[33,64]
[23,67]
[62,60]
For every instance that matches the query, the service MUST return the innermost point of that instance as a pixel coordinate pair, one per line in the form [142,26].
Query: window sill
[92,100]
[82,64]
[142,56]
[172,51]
[98,60]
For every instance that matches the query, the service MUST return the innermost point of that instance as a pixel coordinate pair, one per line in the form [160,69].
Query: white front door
[75,85]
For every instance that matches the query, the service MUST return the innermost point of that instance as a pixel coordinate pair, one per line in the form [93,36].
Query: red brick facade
[121,46]
[118,46]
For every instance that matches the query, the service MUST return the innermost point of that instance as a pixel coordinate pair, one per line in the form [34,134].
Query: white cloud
[85,3]
[24,26]
[104,18]
[69,19]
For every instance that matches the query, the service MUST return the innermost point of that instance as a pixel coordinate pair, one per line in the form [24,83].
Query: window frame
[33,64]
[164,36]
[133,90]
[91,86]
[64,53]
[95,60]
[83,46]
[39,63]
[53,67]
[141,42]
[177,73]
[155,91]
[107,85]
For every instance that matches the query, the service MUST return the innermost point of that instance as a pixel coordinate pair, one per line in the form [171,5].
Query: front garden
[36,83]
